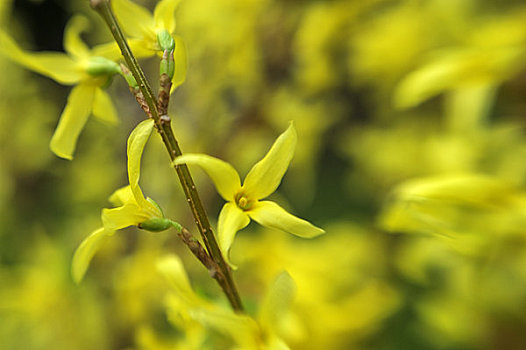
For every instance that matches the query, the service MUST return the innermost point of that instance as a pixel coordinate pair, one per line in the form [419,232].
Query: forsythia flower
[244,201]
[89,70]
[248,333]
[153,33]
[134,209]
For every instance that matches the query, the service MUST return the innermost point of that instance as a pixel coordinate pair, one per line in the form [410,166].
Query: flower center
[243,202]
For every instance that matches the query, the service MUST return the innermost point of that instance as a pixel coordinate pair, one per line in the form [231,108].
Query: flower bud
[102,66]
[165,40]
[128,76]
[158,224]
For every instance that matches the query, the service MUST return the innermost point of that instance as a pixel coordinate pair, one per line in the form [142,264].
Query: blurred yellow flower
[150,34]
[134,209]
[244,201]
[89,70]
[488,56]
[248,333]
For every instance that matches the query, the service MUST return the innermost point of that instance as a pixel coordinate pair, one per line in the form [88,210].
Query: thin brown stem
[163,125]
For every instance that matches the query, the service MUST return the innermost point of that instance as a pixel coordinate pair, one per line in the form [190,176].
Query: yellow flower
[262,332]
[134,209]
[89,70]
[244,201]
[150,33]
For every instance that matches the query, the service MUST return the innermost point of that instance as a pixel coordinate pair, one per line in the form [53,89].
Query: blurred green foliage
[411,155]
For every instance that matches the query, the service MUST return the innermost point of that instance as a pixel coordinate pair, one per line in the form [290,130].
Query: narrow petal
[121,196]
[172,269]
[103,107]
[112,51]
[118,218]
[136,143]
[72,120]
[73,44]
[58,66]
[277,302]
[181,63]
[109,50]
[164,15]
[241,328]
[134,19]
[85,252]
[271,215]
[224,176]
[231,220]
[265,176]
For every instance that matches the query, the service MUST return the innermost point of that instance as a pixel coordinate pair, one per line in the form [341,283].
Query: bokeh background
[411,154]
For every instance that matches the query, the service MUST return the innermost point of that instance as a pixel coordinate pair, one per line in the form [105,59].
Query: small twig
[165,131]
[165,84]
[197,249]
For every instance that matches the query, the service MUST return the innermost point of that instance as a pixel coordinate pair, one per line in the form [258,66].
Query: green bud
[165,40]
[167,65]
[125,72]
[158,225]
[102,66]
[131,80]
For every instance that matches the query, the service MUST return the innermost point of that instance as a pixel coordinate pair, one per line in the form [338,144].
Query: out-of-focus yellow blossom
[385,45]
[89,70]
[464,298]
[325,297]
[36,299]
[493,52]
[150,34]
[244,201]
[134,209]
[247,333]
[470,211]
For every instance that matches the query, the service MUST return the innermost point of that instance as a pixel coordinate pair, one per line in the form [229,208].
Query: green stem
[224,276]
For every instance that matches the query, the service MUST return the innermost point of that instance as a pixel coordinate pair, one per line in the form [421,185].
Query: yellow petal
[181,63]
[265,176]
[118,218]
[241,328]
[121,196]
[134,19]
[136,143]
[277,302]
[271,215]
[85,252]
[112,51]
[103,107]
[224,176]
[231,220]
[72,120]
[109,50]
[164,15]
[58,66]
[455,69]
[73,44]
[173,271]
